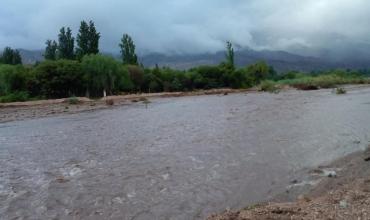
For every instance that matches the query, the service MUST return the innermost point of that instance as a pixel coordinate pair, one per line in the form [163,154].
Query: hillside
[282,61]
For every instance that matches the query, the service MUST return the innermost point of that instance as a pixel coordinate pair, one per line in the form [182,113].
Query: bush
[238,79]
[59,79]
[340,91]
[152,83]
[103,73]
[15,97]
[269,86]
[258,72]
[136,75]
[73,100]
[13,79]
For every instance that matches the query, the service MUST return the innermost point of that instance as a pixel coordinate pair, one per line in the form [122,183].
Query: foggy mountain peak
[190,27]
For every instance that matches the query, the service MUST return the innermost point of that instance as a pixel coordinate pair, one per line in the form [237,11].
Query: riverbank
[341,191]
[16,111]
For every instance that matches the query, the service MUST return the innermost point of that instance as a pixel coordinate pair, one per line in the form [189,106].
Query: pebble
[330,173]
[343,204]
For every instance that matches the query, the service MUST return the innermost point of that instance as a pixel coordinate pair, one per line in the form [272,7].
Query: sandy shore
[45,108]
[343,194]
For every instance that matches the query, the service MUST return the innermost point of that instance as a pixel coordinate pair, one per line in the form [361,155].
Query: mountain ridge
[281,60]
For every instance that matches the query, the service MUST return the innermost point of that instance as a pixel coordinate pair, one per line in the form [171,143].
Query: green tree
[59,79]
[258,71]
[66,44]
[136,75]
[102,74]
[82,40]
[230,55]
[51,50]
[17,58]
[94,39]
[87,40]
[128,50]
[11,57]
[7,56]
[13,79]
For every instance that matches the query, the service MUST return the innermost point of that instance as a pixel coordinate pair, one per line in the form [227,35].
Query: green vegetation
[68,72]
[11,57]
[57,79]
[269,86]
[51,50]
[329,79]
[66,44]
[73,100]
[103,75]
[128,50]
[340,91]
[230,61]
[15,97]
[87,40]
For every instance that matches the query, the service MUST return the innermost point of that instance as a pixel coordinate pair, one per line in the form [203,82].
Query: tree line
[75,67]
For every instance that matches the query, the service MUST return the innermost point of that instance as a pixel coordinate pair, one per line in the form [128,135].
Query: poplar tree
[7,56]
[87,39]
[66,44]
[94,37]
[128,50]
[11,57]
[230,55]
[51,50]
[17,58]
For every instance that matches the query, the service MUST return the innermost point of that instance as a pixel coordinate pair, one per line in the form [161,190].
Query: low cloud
[192,26]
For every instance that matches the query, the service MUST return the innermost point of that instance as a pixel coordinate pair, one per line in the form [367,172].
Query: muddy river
[176,158]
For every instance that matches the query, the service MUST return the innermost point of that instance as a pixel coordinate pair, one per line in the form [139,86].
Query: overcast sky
[191,26]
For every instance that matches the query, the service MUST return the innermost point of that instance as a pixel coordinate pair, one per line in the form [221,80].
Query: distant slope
[282,61]
[31,56]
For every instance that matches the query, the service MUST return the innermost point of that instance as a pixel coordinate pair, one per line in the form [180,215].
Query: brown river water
[177,158]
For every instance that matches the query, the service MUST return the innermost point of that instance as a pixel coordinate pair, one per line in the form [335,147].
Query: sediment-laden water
[177,158]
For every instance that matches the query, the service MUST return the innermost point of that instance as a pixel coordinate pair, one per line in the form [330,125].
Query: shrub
[123,81]
[59,79]
[136,75]
[102,73]
[13,79]
[258,72]
[305,86]
[15,97]
[340,91]
[269,86]
[73,100]
[152,83]
[238,79]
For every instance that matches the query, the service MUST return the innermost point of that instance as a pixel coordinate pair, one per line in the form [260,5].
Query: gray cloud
[190,26]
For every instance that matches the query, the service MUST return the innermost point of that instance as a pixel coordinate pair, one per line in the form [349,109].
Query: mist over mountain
[319,28]
[282,61]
